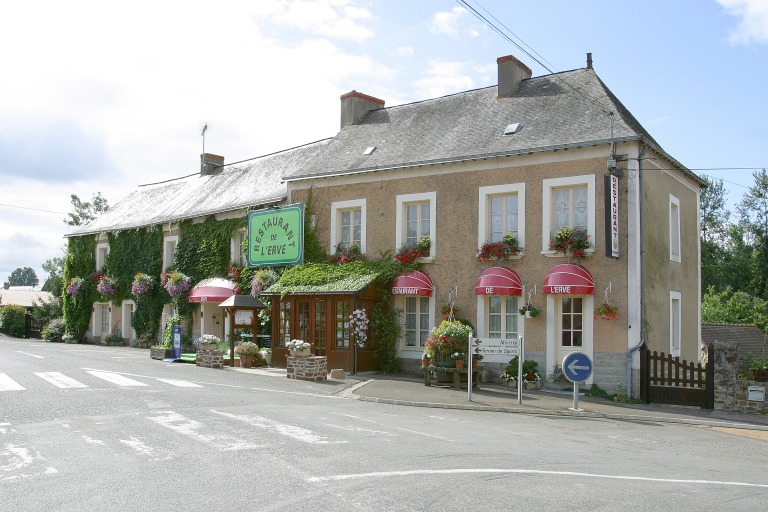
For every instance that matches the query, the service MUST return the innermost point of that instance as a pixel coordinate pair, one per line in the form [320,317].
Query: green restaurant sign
[276,236]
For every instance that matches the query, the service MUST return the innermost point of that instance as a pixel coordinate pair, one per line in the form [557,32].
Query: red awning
[212,290]
[569,279]
[413,283]
[499,281]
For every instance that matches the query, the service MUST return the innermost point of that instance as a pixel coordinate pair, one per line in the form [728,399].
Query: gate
[32,328]
[667,380]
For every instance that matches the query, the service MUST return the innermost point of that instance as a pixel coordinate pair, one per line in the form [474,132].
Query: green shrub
[54,330]
[12,320]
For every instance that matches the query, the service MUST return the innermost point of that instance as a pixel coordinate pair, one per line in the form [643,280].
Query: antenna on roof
[202,134]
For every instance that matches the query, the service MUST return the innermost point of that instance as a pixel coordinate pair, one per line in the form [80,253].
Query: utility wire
[33,209]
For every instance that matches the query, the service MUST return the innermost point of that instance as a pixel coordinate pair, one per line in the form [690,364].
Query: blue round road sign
[577,366]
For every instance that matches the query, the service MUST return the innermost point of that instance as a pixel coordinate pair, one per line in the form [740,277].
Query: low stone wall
[210,358]
[732,393]
[307,368]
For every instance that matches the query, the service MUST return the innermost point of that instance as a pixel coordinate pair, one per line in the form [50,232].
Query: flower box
[160,353]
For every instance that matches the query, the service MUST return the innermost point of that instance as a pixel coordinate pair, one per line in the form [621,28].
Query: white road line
[292,431]
[199,432]
[8,384]
[60,380]
[180,383]
[527,472]
[118,379]
[28,354]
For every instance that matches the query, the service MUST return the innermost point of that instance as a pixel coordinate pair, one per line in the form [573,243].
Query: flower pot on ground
[159,352]
[266,353]
[246,361]
[424,362]
[459,363]
[458,359]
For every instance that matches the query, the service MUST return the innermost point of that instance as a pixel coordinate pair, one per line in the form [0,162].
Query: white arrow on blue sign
[577,366]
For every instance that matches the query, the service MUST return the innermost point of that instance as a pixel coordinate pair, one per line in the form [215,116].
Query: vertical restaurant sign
[276,237]
[611,216]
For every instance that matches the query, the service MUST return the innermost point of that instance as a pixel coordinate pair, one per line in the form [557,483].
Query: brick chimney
[354,105]
[211,164]
[511,73]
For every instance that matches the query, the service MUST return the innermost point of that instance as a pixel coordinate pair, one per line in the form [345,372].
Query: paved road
[104,428]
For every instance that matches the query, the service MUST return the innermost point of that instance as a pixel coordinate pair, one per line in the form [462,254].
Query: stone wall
[307,368]
[210,359]
[732,393]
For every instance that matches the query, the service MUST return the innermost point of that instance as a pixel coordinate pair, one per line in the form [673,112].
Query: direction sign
[577,366]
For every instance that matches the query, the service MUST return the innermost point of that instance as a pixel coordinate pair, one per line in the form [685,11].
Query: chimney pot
[354,105]
[589,60]
[211,164]
[511,73]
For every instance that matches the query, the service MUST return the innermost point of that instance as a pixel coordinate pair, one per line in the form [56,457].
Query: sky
[103,96]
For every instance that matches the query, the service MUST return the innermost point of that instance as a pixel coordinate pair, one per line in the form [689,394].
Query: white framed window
[674,228]
[502,316]
[568,202]
[571,322]
[417,320]
[237,255]
[102,251]
[415,219]
[169,250]
[102,319]
[348,224]
[675,317]
[501,211]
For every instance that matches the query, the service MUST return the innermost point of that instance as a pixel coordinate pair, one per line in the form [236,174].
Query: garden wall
[732,393]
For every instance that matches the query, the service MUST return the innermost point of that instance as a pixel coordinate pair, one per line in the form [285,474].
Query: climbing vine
[313,249]
[204,248]
[79,262]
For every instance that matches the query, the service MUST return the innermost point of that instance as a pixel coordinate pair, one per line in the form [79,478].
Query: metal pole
[575,396]
[469,368]
[520,371]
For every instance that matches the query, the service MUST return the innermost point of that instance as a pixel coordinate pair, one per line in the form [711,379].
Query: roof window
[369,150]
[512,128]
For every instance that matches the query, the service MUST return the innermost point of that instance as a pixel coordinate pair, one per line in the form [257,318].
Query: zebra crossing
[61,381]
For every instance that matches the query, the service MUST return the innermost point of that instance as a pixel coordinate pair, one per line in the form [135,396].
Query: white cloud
[404,51]
[753,23]
[448,23]
[336,19]
[444,78]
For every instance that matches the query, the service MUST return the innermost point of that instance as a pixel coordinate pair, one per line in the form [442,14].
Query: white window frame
[96,325]
[236,253]
[127,331]
[402,201]
[547,204]
[168,259]
[674,229]
[487,315]
[675,323]
[102,251]
[401,305]
[485,194]
[336,208]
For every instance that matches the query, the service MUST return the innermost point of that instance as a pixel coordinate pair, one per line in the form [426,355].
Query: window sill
[428,259]
[553,254]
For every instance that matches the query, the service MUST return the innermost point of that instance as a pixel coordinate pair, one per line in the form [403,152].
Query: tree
[753,211]
[85,212]
[716,235]
[55,281]
[22,277]
[715,219]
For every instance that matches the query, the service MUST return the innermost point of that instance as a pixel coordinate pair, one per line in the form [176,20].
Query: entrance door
[571,328]
[320,328]
[340,351]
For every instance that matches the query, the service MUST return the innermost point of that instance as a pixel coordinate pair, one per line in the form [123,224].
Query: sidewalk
[404,390]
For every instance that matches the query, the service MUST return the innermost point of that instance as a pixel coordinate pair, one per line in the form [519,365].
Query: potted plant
[458,359]
[114,339]
[529,310]
[161,350]
[531,378]
[411,252]
[448,338]
[247,351]
[425,357]
[346,254]
[606,312]
[573,243]
[476,358]
[504,250]
[298,348]
[207,343]
[266,353]
[559,377]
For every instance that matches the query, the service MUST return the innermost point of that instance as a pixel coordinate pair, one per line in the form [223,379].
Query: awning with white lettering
[214,289]
[569,279]
[499,281]
[413,283]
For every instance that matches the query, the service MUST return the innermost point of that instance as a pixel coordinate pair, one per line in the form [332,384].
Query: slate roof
[749,338]
[255,182]
[556,111]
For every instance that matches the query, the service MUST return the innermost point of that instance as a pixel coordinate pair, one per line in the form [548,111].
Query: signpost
[176,354]
[577,367]
[276,237]
[497,346]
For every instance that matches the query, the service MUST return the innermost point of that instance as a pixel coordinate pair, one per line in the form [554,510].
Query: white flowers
[297,345]
[358,322]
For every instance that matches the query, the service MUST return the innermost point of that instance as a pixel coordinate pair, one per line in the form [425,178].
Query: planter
[206,347]
[459,364]
[246,361]
[160,353]
[532,384]
[510,383]
[300,353]
[267,357]
[425,362]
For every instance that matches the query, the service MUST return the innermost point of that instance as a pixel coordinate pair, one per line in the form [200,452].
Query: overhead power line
[33,209]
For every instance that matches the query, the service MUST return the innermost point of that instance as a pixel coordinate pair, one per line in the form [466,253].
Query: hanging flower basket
[176,283]
[142,284]
[606,312]
[75,285]
[529,311]
[105,286]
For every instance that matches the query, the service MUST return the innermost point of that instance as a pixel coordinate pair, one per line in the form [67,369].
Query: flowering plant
[504,250]
[75,285]
[297,345]
[606,312]
[449,312]
[105,286]
[142,283]
[572,243]
[530,309]
[457,356]
[448,338]
[346,254]
[410,253]
[176,283]
[263,278]
[358,323]
[248,348]
[206,339]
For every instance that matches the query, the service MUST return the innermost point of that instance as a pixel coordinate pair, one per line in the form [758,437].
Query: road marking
[60,380]
[14,459]
[191,428]
[180,383]
[28,354]
[756,434]
[8,384]
[300,434]
[139,446]
[116,378]
[526,472]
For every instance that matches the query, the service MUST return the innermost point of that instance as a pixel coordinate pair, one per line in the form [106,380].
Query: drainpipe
[634,349]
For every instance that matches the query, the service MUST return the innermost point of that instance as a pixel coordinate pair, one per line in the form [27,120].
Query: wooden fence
[668,380]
